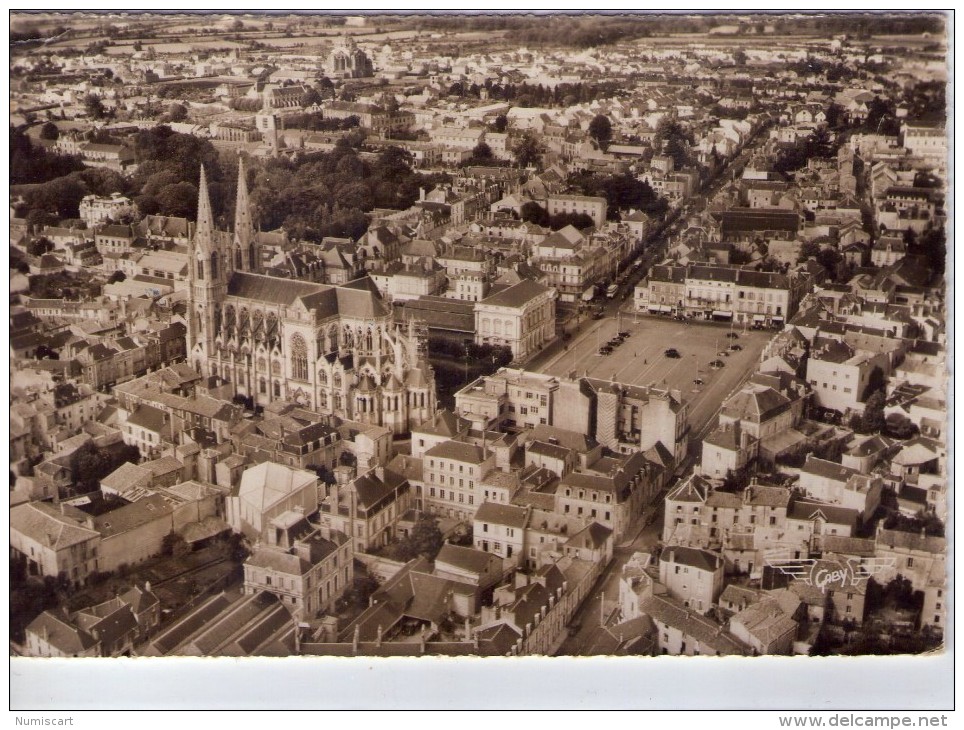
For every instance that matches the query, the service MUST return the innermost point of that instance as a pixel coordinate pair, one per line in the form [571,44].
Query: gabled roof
[807,510]
[46,525]
[704,630]
[60,633]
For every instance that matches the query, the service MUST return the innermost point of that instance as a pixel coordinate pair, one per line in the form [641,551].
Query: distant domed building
[348,61]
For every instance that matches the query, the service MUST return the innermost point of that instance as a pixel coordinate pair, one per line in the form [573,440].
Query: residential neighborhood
[494,335]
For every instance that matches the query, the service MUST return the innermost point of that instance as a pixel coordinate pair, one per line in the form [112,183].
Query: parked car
[623,334]
[733,335]
[723,353]
[697,381]
[605,350]
[673,353]
[717,364]
[736,348]
[598,315]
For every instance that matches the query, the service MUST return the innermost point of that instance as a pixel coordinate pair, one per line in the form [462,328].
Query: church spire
[204,232]
[245,245]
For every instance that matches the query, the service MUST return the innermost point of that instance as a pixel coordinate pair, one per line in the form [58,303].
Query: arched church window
[238,263]
[263,386]
[277,389]
[322,377]
[299,358]
[251,257]
[214,266]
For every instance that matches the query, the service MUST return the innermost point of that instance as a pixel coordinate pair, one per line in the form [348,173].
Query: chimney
[147,586]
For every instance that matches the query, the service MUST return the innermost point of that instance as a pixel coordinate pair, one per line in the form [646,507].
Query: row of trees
[529,95]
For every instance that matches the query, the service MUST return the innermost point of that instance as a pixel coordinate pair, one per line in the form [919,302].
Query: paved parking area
[640,360]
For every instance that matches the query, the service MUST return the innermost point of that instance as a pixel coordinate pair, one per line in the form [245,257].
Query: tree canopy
[527,150]
[601,130]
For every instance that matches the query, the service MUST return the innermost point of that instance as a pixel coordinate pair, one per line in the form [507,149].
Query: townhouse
[692,575]
[307,568]
[722,293]
[453,470]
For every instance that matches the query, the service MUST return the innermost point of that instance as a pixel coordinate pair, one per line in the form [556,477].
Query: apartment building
[594,207]
[452,472]
[521,317]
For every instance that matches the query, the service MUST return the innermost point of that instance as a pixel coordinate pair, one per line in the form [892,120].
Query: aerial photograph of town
[414,335]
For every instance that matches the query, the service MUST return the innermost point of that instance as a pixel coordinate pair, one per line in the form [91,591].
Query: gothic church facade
[332,349]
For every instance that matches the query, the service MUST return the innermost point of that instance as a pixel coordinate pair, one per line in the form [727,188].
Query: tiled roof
[135,515]
[46,525]
[911,541]
[693,557]
[457,451]
[149,418]
[704,630]
[517,295]
[444,423]
[464,558]
[61,633]
[765,621]
[827,469]
[805,509]
[502,514]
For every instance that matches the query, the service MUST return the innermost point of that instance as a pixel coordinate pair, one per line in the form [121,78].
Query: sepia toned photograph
[478,335]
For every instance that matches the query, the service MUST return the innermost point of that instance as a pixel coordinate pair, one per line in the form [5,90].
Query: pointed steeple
[244,234]
[204,236]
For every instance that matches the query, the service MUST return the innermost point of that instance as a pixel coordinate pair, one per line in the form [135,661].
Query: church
[348,61]
[332,349]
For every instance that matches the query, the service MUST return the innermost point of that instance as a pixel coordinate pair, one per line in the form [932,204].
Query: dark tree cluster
[59,199]
[169,167]
[316,122]
[676,141]
[329,193]
[795,156]
[528,95]
[621,192]
[31,163]
[90,463]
